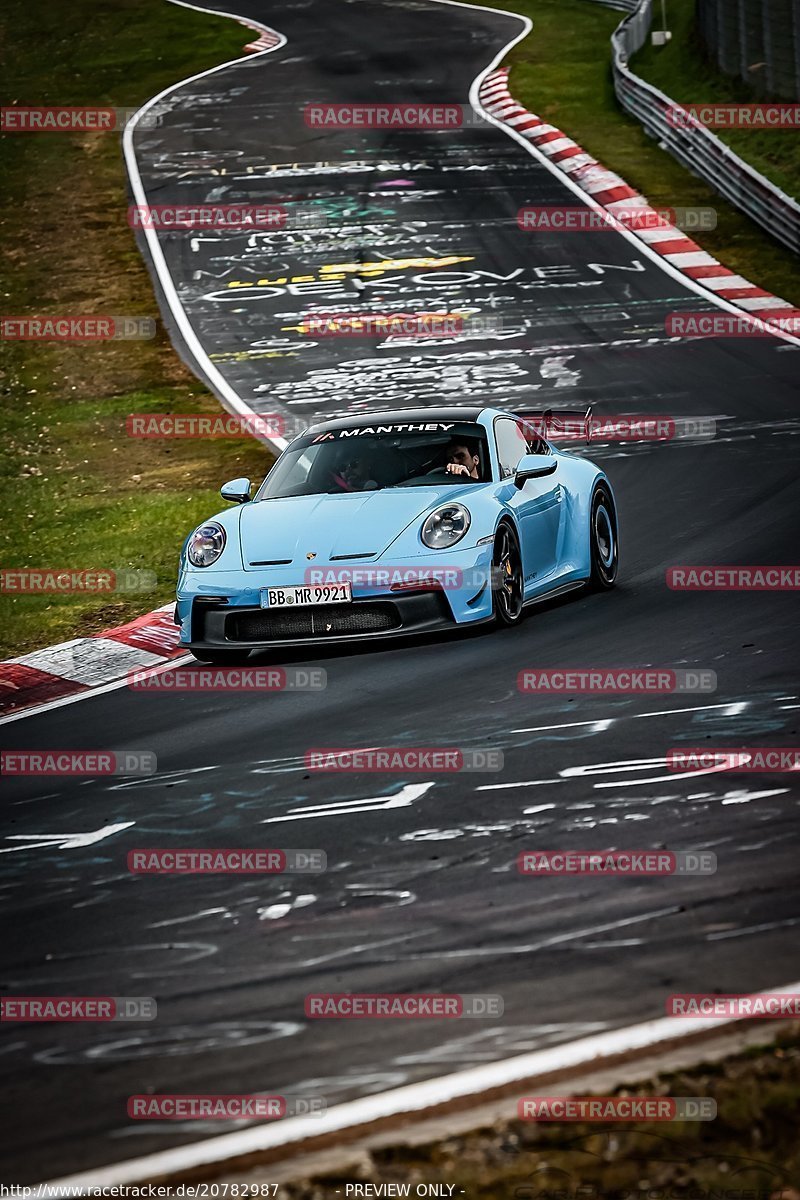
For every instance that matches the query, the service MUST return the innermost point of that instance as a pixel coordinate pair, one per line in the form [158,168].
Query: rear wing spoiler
[560,424]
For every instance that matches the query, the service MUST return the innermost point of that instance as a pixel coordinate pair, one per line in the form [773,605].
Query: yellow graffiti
[394,264]
[247,355]
[336,271]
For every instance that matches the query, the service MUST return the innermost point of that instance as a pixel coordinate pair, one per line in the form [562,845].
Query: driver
[461,460]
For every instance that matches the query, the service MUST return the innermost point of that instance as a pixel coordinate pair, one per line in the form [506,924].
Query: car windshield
[371,458]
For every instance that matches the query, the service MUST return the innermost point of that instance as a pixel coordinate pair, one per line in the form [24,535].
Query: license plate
[299,597]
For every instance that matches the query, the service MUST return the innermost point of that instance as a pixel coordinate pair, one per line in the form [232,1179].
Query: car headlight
[206,544]
[446,526]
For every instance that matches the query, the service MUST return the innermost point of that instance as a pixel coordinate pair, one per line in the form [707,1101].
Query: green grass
[76,491]
[562,72]
[684,71]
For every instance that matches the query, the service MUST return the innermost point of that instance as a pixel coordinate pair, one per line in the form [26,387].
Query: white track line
[415,1098]
[227,395]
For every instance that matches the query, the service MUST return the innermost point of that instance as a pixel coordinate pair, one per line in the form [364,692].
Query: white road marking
[500,787]
[342,808]
[733,933]
[735,708]
[632,765]
[556,940]
[62,841]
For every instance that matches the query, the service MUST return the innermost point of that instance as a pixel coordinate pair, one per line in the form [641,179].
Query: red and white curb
[265,41]
[616,196]
[83,664]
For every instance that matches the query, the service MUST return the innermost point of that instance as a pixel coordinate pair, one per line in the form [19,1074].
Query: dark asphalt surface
[421,893]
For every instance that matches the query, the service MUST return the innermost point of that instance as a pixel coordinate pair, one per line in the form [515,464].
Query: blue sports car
[395,523]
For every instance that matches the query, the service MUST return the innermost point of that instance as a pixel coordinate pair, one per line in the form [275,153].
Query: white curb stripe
[576,163]
[759,302]
[723,282]
[553,147]
[659,234]
[694,258]
[89,660]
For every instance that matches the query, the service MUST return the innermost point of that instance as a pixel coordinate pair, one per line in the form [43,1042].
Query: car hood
[358,525]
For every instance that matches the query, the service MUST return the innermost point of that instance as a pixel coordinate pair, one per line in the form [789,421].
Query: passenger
[352,475]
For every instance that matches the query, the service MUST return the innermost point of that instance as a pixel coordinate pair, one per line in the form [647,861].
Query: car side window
[511,445]
[535,441]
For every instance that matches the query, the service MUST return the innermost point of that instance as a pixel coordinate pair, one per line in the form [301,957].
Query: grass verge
[77,493]
[749,1152]
[562,72]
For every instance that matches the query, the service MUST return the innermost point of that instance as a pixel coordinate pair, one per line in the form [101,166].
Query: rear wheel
[507,580]
[604,543]
[221,658]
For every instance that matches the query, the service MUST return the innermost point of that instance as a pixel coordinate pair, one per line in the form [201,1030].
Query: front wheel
[221,658]
[507,581]
[603,541]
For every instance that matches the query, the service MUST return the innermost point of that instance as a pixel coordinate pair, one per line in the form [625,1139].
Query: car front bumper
[221,610]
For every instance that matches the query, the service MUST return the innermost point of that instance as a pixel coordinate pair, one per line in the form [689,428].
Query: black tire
[603,541]
[221,658]
[508,584]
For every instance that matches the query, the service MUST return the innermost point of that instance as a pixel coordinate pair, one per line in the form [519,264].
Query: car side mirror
[534,466]
[236,491]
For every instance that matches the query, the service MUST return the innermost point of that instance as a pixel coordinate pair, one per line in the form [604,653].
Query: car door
[537,505]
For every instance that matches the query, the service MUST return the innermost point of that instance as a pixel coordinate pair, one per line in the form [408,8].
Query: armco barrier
[694,146]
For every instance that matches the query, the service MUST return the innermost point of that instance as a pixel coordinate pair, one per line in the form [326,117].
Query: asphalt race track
[422,892]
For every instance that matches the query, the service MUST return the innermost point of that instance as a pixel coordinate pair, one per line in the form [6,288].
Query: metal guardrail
[695,146]
[622,5]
